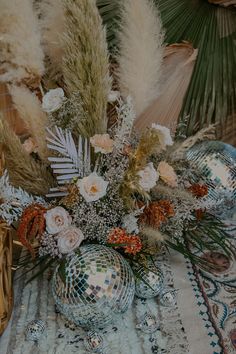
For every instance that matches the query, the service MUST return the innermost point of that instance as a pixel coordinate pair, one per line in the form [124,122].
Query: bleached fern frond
[72,160]
[126,117]
[14,200]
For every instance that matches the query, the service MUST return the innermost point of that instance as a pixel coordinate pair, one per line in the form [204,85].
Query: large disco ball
[96,284]
[216,162]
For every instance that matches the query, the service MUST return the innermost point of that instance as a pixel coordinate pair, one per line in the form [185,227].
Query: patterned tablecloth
[203,321]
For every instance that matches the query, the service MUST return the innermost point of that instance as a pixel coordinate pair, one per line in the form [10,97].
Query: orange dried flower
[198,190]
[131,243]
[156,213]
[32,225]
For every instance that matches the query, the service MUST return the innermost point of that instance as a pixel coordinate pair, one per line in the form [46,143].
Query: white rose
[92,187]
[69,239]
[57,219]
[113,96]
[148,177]
[53,100]
[102,143]
[163,135]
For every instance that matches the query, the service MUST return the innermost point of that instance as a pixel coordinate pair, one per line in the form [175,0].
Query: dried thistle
[86,63]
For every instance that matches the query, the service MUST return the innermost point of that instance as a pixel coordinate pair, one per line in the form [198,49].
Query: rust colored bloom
[198,190]
[32,224]
[131,243]
[156,213]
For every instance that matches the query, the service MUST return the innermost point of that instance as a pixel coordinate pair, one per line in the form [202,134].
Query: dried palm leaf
[140,52]
[223,2]
[211,95]
[74,160]
[179,61]
[86,64]
[23,170]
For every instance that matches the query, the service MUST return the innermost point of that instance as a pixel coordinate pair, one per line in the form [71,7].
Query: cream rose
[53,100]
[167,174]
[148,177]
[69,239]
[163,135]
[102,143]
[92,187]
[57,219]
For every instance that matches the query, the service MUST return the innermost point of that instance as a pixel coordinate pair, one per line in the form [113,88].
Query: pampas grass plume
[29,108]
[52,23]
[86,63]
[24,171]
[21,54]
[140,52]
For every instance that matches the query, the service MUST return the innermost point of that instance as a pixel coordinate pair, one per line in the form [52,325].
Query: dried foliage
[30,111]
[21,54]
[140,52]
[148,145]
[23,170]
[208,133]
[86,64]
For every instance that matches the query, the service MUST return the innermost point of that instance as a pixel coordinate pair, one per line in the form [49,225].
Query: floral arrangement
[84,174]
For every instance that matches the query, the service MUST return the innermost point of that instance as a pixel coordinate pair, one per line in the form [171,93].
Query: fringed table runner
[202,322]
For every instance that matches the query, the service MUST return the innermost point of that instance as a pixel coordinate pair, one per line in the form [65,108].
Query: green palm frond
[109,10]
[211,96]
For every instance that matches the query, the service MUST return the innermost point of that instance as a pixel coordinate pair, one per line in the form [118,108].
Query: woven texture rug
[203,321]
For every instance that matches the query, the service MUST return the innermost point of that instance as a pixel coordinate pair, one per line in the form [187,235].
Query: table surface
[203,321]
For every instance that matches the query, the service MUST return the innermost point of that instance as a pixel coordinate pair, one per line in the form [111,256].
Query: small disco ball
[94,343]
[216,162]
[168,297]
[97,283]
[148,281]
[148,323]
[34,330]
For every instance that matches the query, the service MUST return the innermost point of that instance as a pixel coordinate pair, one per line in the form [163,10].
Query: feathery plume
[24,171]
[86,64]
[173,193]
[21,54]
[153,236]
[52,23]
[141,52]
[30,111]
